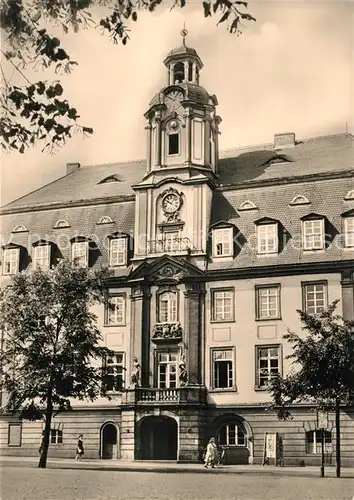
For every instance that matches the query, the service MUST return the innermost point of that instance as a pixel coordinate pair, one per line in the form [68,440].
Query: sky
[291,71]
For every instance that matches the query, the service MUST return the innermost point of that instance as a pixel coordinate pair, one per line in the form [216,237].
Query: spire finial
[184,33]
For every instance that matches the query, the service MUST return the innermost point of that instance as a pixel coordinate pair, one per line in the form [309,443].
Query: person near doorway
[80,448]
[211,455]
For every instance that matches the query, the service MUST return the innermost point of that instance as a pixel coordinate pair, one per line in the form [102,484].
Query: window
[20,229]
[167,307]
[115,368]
[105,220]
[115,310]
[80,253]
[41,257]
[314,297]
[299,200]
[222,368]
[118,252]
[222,242]
[222,305]
[268,364]
[314,442]
[349,195]
[247,205]
[14,436]
[11,260]
[61,223]
[167,370]
[268,302]
[313,234]
[231,435]
[173,144]
[349,232]
[267,238]
[56,436]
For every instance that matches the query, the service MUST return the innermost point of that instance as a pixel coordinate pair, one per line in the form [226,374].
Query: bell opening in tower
[173,144]
[178,73]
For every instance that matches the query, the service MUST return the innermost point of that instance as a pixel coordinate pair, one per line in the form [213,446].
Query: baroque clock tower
[173,201]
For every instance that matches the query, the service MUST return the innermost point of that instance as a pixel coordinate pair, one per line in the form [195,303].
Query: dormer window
[105,220]
[299,200]
[61,223]
[349,195]
[41,256]
[118,251]
[267,237]
[313,232]
[223,242]
[20,229]
[80,253]
[173,143]
[247,205]
[110,178]
[11,260]
[349,231]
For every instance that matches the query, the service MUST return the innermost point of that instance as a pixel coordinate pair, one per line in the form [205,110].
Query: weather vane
[184,33]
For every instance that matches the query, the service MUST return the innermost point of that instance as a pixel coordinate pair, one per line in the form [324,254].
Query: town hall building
[212,253]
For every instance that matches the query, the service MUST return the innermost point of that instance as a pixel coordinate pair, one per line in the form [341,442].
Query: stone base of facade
[181,435]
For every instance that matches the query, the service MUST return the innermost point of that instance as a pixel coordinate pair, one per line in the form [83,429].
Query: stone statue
[183,376]
[135,377]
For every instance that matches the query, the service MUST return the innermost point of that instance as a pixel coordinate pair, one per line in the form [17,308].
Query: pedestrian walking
[80,448]
[211,454]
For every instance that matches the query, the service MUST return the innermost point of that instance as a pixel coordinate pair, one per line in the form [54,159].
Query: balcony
[146,396]
[170,245]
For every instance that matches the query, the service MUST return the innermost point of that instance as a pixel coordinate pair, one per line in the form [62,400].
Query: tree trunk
[338,438]
[48,420]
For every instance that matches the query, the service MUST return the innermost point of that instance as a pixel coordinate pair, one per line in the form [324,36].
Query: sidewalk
[172,467]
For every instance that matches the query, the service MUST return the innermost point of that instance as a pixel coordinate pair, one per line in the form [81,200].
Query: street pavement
[26,482]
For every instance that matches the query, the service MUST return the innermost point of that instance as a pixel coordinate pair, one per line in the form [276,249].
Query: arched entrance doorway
[158,438]
[109,441]
[234,435]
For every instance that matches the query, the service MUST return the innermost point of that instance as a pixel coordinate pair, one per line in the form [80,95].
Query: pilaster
[194,314]
[347,283]
[140,328]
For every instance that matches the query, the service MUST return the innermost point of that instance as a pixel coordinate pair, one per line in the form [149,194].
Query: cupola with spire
[182,125]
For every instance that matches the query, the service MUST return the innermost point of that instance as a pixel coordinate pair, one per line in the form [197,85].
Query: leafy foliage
[52,348]
[35,113]
[324,362]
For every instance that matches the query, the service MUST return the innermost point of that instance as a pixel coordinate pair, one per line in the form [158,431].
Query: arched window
[178,73]
[349,195]
[300,200]
[167,307]
[247,205]
[314,442]
[105,220]
[20,229]
[231,434]
[61,223]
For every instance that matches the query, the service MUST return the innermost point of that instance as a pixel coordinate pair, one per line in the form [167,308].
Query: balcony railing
[163,395]
[169,246]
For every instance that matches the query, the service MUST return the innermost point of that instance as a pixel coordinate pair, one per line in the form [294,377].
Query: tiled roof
[239,168]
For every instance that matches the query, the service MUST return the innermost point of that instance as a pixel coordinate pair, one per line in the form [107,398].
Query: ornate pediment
[166,269]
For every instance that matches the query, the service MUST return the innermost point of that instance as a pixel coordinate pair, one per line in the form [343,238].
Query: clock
[171,203]
[173,100]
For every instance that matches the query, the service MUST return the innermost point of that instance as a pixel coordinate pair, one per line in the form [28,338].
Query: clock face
[173,100]
[171,203]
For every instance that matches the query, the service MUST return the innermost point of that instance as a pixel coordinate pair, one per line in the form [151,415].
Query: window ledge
[261,388]
[223,390]
[268,254]
[118,265]
[222,321]
[116,325]
[314,250]
[224,257]
[276,318]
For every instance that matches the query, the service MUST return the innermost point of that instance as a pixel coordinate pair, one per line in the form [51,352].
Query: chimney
[72,167]
[284,140]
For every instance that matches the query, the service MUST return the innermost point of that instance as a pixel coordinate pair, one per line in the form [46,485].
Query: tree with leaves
[37,112]
[324,374]
[52,352]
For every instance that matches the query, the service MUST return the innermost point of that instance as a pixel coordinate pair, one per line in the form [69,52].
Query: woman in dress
[80,448]
[211,455]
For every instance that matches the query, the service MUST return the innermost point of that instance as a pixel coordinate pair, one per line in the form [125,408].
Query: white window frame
[41,256]
[265,296]
[82,256]
[11,264]
[118,252]
[269,371]
[317,293]
[235,429]
[349,232]
[56,436]
[314,442]
[116,310]
[168,307]
[169,361]
[220,356]
[223,242]
[222,305]
[313,238]
[116,364]
[267,238]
